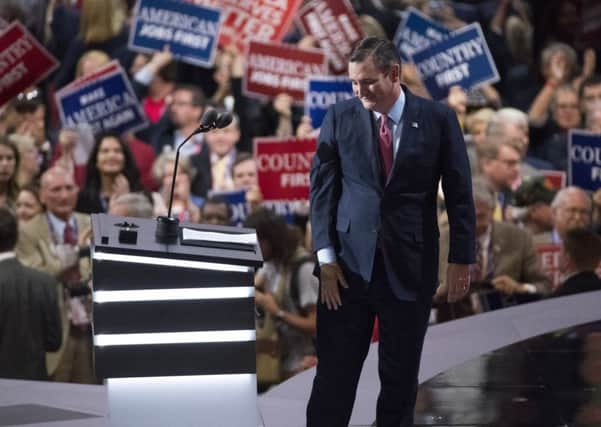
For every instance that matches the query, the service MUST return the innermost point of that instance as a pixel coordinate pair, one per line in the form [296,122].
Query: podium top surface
[136,236]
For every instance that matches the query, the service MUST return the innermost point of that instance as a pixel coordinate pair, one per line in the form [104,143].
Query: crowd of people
[52,177]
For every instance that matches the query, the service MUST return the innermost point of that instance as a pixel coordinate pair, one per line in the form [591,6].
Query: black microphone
[168,226]
[223,120]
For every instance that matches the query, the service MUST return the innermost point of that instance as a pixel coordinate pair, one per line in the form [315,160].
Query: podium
[174,324]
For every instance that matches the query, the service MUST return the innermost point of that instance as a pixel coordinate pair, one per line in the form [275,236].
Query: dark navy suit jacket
[354,211]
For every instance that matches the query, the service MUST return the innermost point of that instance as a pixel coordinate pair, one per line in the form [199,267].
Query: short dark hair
[8,230]
[583,247]
[593,80]
[272,229]
[242,157]
[383,52]
[218,200]
[198,97]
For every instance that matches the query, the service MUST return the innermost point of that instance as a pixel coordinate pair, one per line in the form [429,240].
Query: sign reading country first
[584,166]
[105,103]
[190,31]
[462,59]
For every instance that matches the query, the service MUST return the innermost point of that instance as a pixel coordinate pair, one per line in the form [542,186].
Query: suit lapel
[367,137]
[410,129]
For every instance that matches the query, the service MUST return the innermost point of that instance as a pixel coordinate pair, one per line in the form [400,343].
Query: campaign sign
[108,103]
[462,59]
[109,68]
[237,201]
[274,68]
[23,61]
[245,20]
[417,31]
[584,164]
[191,31]
[336,28]
[549,257]
[323,91]
[555,180]
[283,167]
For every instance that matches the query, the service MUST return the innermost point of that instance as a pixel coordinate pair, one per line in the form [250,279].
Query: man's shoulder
[436,108]
[31,274]
[346,106]
[511,232]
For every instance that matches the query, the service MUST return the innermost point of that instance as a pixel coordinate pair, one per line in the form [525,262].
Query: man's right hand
[330,277]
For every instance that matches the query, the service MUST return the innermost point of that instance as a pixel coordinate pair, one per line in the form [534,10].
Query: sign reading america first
[23,61]
[273,68]
[336,28]
[417,31]
[105,103]
[190,31]
[462,59]
[245,20]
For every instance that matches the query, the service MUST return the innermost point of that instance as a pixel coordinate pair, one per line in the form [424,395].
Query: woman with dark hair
[111,171]
[286,291]
[9,165]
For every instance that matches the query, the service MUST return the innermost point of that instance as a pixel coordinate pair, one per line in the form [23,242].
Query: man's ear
[395,73]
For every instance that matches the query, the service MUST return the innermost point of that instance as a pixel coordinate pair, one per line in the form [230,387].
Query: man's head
[187,106]
[581,251]
[131,204]
[222,141]
[8,230]
[535,196]
[590,93]
[565,107]
[499,163]
[509,125]
[58,192]
[244,172]
[375,73]
[571,209]
[216,211]
[484,202]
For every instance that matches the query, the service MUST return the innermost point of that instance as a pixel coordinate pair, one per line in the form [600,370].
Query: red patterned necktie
[69,237]
[385,143]
[73,276]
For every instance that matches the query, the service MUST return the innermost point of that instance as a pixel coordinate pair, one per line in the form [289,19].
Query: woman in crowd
[28,203]
[286,289]
[111,171]
[9,165]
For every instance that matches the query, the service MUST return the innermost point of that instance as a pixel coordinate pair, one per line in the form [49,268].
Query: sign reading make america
[417,31]
[23,61]
[462,59]
[273,68]
[283,167]
[105,103]
[323,91]
[190,31]
[584,163]
[336,28]
[245,20]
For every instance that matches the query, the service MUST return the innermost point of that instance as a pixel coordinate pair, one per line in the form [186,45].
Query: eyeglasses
[575,211]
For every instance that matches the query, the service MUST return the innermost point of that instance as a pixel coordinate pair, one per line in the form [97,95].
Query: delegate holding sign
[322,92]
[584,167]
[107,103]
[190,31]
[462,59]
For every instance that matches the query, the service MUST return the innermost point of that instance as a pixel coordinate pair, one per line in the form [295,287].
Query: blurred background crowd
[53,177]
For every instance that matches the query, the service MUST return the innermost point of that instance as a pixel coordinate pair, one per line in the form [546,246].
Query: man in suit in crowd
[374,182]
[505,258]
[579,257]
[30,322]
[51,242]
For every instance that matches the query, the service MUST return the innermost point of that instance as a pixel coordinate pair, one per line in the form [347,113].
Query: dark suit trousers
[343,338]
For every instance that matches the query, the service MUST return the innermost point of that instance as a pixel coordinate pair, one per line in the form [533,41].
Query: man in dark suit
[30,324]
[580,255]
[374,181]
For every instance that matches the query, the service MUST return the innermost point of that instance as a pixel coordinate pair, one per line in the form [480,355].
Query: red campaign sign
[554,179]
[243,20]
[23,61]
[336,27]
[549,257]
[273,68]
[283,167]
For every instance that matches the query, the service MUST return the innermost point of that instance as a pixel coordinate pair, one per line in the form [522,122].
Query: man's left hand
[508,286]
[458,281]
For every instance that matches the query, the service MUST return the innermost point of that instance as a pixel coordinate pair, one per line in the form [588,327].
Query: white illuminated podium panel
[174,326]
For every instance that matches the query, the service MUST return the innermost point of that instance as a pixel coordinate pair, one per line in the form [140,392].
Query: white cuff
[326,255]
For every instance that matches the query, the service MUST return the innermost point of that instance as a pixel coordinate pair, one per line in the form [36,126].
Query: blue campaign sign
[462,59]
[321,93]
[584,166]
[237,201]
[190,31]
[417,31]
[108,103]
